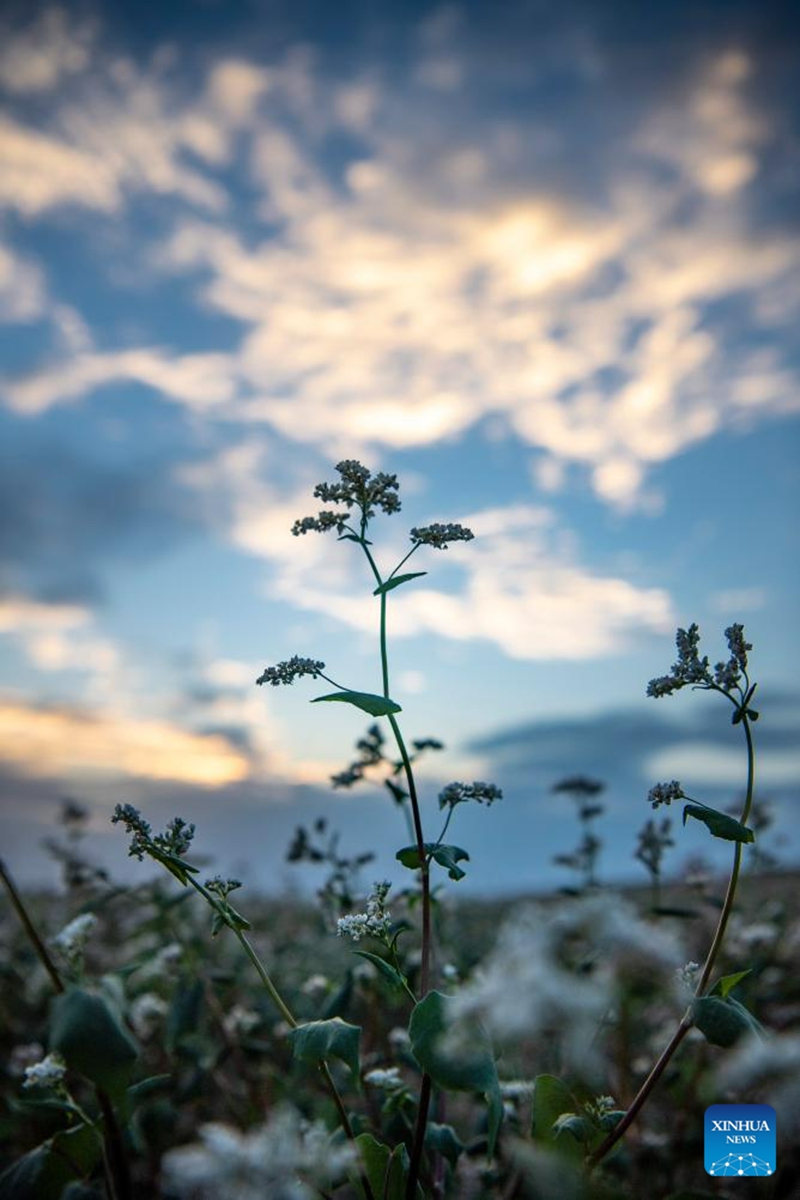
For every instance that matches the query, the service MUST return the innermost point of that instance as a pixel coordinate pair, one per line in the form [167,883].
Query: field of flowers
[390,1042]
[215,1103]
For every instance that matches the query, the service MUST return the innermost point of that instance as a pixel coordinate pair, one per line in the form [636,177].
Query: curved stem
[290,1019]
[714,949]
[31,930]
[419,1137]
[644,1091]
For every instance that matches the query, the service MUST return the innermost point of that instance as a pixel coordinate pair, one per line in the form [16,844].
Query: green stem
[711,957]
[31,930]
[290,1019]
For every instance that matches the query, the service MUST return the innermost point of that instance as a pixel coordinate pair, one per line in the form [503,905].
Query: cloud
[428,285]
[22,290]
[36,58]
[66,513]
[59,742]
[522,586]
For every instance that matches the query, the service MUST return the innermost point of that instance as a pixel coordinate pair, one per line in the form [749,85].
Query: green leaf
[84,1030]
[44,1173]
[386,969]
[317,1040]
[722,1022]
[385,1169]
[21,1180]
[444,1140]
[184,1014]
[395,581]
[445,856]
[145,1086]
[728,982]
[719,824]
[466,1066]
[553,1101]
[376,706]
[570,1122]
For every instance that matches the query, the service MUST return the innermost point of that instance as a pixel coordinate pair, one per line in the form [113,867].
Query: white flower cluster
[72,939]
[48,1073]
[375,921]
[286,1159]
[388,1079]
[556,974]
[147,1013]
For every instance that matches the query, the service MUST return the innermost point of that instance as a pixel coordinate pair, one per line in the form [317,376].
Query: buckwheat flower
[556,974]
[687,976]
[357,488]
[293,668]
[516,1089]
[375,922]
[48,1073]
[72,939]
[689,669]
[387,1079]
[147,1013]
[286,1159]
[457,793]
[665,793]
[439,536]
[239,1021]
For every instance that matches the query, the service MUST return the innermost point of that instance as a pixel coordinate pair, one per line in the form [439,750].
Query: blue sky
[541,261]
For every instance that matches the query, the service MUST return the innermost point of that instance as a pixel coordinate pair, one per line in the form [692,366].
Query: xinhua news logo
[740,1139]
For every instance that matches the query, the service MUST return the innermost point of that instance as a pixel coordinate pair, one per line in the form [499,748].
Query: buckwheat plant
[720,1017]
[357,497]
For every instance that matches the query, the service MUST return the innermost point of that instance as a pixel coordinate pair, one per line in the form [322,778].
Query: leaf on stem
[455,1062]
[723,1022]
[395,581]
[88,1036]
[719,824]
[445,856]
[318,1040]
[376,706]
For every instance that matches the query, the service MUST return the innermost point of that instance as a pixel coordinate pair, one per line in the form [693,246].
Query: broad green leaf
[386,969]
[44,1173]
[22,1179]
[184,1014]
[722,1021]
[84,1030]
[395,581]
[317,1040]
[385,1169]
[457,1055]
[444,1140]
[728,982]
[719,824]
[445,856]
[376,706]
[552,1100]
[572,1123]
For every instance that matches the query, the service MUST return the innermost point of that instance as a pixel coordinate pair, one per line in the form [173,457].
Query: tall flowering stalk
[357,496]
[730,679]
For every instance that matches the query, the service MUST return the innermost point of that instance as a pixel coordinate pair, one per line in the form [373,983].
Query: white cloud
[20,614]
[711,766]
[403,305]
[22,289]
[37,58]
[68,742]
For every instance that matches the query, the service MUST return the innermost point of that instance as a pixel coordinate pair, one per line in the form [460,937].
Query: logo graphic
[740,1139]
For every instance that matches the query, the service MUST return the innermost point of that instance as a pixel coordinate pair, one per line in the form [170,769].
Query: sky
[541,261]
